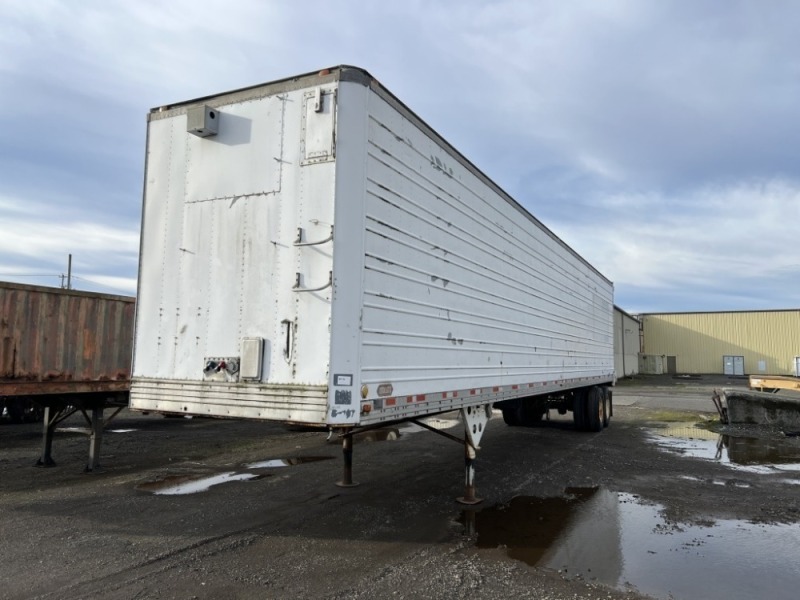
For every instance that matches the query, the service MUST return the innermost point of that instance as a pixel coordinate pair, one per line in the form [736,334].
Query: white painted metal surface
[626,344]
[437,291]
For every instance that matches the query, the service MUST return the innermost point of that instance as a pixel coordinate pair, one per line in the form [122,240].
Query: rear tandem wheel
[590,409]
[595,409]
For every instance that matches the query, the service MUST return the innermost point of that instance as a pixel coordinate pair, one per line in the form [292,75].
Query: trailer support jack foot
[347,452]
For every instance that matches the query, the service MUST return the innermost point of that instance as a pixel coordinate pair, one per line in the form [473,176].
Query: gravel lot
[287,531]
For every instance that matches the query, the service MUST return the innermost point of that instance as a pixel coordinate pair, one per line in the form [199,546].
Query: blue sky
[659,138]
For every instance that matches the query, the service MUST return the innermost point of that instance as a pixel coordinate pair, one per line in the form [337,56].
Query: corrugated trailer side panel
[463,292]
[54,340]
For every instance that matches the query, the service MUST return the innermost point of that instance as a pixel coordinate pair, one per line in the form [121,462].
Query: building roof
[718,312]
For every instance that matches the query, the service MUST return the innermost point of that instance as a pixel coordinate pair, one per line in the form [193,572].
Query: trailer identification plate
[343,397]
[342,380]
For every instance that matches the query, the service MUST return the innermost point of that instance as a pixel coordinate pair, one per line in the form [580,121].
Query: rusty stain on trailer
[55,340]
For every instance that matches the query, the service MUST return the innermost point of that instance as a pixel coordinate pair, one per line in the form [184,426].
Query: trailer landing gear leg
[347,452]
[475,419]
[55,410]
[469,497]
[49,427]
[95,438]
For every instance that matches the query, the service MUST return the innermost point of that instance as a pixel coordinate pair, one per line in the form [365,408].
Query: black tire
[511,415]
[522,412]
[606,406]
[579,410]
[594,409]
[16,413]
[530,412]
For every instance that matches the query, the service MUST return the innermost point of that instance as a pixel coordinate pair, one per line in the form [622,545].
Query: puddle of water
[285,462]
[610,537]
[388,434]
[88,431]
[434,422]
[739,484]
[176,485]
[754,455]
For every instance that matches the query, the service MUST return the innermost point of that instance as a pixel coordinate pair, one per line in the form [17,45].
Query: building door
[738,365]
[797,366]
[733,365]
[672,365]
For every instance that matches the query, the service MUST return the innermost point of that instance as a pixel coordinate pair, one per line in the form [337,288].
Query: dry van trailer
[63,351]
[313,252]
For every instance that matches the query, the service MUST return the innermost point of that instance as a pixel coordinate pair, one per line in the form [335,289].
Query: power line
[28,275]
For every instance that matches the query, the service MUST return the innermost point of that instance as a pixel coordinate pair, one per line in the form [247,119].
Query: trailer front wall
[54,340]
[463,291]
[223,258]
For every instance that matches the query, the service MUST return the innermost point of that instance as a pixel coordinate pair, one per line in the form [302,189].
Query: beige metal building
[731,343]
[626,344]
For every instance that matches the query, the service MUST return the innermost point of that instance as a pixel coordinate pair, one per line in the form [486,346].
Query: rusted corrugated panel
[51,335]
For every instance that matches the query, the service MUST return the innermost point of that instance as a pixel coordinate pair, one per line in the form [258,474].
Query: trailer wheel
[531,411]
[532,418]
[511,415]
[16,413]
[595,405]
[606,406]
[579,410]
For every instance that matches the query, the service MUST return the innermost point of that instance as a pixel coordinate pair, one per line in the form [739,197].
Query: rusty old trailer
[63,351]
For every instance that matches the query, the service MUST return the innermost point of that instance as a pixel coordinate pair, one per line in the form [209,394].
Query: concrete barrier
[762,408]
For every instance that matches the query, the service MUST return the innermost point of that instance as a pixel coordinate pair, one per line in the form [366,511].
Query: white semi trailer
[313,252]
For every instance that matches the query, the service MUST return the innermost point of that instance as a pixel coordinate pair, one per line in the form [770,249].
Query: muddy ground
[289,532]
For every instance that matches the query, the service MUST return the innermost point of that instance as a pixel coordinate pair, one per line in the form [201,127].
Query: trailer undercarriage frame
[474,419]
[92,406]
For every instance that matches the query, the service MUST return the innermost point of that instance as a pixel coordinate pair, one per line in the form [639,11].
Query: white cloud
[107,283]
[38,238]
[723,237]
[52,237]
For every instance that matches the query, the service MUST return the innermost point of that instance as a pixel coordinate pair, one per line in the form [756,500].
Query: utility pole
[68,276]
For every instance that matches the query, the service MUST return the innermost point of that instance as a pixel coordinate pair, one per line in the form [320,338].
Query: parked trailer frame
[64,351]
[313,252]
